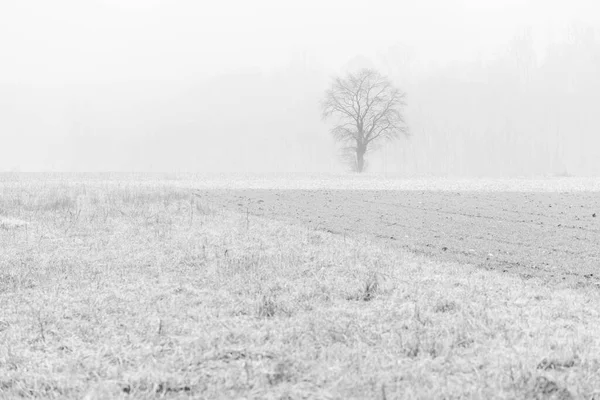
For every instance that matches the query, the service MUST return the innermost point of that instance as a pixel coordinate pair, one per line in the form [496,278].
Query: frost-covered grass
[139,291]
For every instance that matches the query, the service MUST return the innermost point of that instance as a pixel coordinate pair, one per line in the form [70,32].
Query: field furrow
[552,235]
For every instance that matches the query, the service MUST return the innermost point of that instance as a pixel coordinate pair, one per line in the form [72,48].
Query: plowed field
[555,236]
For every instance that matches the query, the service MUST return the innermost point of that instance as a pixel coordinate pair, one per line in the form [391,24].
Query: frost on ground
[307,181]
[11,223]
[150,293]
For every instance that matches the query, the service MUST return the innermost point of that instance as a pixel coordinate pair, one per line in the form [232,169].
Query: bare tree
[368,112]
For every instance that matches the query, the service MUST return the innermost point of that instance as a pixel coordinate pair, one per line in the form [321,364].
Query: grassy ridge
[127,291]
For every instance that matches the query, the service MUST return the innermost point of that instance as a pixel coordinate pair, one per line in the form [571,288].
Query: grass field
[123,289]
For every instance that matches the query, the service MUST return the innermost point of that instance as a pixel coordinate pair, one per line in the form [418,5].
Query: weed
[556,364]
[267,307]
[444,306]
[282,372]
[369,289]
[545,388]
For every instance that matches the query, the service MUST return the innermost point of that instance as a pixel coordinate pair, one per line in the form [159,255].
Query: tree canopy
[367,109]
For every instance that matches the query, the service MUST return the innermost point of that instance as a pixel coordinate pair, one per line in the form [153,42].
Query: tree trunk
[360,158]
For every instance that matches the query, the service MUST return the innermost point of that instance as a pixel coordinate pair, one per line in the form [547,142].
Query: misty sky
[50,42]
[62,62]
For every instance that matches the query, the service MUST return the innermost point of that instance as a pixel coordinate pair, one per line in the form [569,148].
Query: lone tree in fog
[367,110]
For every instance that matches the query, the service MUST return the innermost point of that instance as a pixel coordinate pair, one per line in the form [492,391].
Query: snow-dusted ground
[311,181]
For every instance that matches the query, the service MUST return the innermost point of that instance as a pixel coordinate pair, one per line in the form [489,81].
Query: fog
[494,88]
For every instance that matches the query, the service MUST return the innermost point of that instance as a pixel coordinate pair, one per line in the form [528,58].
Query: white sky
[51,42]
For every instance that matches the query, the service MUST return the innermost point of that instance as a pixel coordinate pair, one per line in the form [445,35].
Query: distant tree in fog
[367,113]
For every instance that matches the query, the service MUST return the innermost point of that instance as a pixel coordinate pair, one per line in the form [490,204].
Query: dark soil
[554,236]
